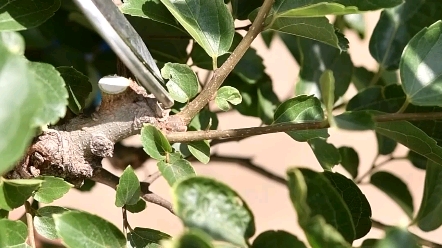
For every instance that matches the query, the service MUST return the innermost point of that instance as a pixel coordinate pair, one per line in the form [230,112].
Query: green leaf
[429,217]
[19,15]
[327,83]
[13,233]
[51,189]
[212,206]
[356,201]
[80,229]
[13,41]
[78,87]
[128,189]
[226,95]
[14,192]
[145,237]
[349,160]
[279,238]
[176,169]
[193,238]
[242,8]
[154,142]
[327,154]
[369,243]
[417,160]
[183,84]
[204,120]
[397,237]
[52,85]
[19,101]
[420,68]
[137,207]
[44,221]
[4,214]
[397,26]
[200,150]
[325,225]
[209,23]
[355,120]
[395,188]
[152,9]
[315,59]
[301,109]
[385,144]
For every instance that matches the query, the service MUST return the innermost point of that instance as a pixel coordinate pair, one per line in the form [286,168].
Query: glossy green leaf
[183,84]
[355,120]
[349,160]
[192,238]
[227,95]
[209,23]
[51,189]
[13,233]
[325,225]
[429,217]
[301,109]
[327,154]
[279,238]
[154,142]
[420,67]
[128,189]
[81,229]
[385,145]
[14,192]
[19,101]
[417,160]
[44,221]
[176,169]
[13,41]
[200,150]
[152,9]
[395,188]
[78,87]
[315,59]
[397,26]
[145,238]
[49,82]
[398,237]
[250,67]
[212,206]
[19,15]
[356,201]
[137,207]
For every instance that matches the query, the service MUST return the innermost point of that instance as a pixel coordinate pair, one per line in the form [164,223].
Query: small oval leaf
[128,189]
[154,142]
[226,95]
[51,189]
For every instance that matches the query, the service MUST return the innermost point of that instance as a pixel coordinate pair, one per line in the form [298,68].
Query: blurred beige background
[268,200]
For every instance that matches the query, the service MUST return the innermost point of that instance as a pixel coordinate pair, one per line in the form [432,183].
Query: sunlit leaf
[51,189]
[183,84]
[200,150]
[154,142]
[44,221]
[14,193]
[128,189]
[78,87]
[13,233]
[176,169]
[227,95]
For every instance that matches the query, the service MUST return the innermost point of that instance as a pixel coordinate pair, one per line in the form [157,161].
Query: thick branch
[221,74]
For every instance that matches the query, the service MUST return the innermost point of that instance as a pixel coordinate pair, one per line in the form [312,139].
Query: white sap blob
[113,84]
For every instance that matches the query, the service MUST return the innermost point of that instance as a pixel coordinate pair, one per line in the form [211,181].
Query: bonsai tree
[57,123]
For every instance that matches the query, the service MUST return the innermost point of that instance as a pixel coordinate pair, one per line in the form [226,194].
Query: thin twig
[152,177]
[220,74]
[375,167]
[30,222]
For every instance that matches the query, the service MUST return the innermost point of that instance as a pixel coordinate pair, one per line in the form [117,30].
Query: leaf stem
[375,167]
[376,76]
[404,106]
[30,223]
[220,74]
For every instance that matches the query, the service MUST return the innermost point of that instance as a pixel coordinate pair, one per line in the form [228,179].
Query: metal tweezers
[127,44]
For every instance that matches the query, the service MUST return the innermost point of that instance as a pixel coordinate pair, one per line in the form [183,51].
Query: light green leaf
[279,238]
[183,84]
[13,233]
[327,154]
[52,85]
[78,87]
[51,189]
[226,95]
[145,238]
[44,221]
[176,169]
[201,150]
[301,109]
[128,189]
[154,142]
[13,41]
[325,225]
[420,67]
[327,83]
[14,192]
[395,188]
[397,237]
[208,22]
[355,120]
[429,217]
[212,206]
[19,101]
[349,160]
[80,229]
[24,14]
